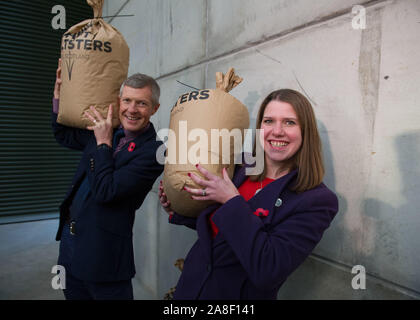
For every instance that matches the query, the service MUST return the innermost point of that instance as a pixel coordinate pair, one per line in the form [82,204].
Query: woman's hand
[166,204]
[214,188]
[57,81]
[102,128]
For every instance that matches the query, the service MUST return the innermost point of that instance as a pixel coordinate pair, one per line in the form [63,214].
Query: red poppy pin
[260,212]
[131,147]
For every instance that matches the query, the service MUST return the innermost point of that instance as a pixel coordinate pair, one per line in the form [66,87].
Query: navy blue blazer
[252,255]
[103,241]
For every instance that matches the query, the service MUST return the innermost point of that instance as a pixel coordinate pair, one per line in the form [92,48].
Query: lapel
[118,134]
[239,177]
[119,159]
[269,195]
[121,155]
[137,143]
[265,199]
[202,220]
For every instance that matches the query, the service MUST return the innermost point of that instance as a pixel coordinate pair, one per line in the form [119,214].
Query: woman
[262,227]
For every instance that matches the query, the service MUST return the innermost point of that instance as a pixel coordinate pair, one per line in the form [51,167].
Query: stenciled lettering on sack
[193,95]
[79,41]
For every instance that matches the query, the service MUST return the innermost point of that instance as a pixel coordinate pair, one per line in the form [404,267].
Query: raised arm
[67,137]
[136,177]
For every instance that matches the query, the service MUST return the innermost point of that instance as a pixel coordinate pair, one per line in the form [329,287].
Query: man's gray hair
[138,81]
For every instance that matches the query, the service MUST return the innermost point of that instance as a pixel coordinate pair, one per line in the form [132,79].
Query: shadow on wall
[396,227]
[385,244]
[408,147]
[312,280]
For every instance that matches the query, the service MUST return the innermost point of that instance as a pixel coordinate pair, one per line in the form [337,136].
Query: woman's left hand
[102,128]
[214,188]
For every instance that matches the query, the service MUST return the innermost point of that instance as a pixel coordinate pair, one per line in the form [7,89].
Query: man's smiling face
[136,107]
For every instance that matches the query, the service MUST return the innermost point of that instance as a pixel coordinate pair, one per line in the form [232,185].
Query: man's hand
[102,128]
[57,81]
[166,204]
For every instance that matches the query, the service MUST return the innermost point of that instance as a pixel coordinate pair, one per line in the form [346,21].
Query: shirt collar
[130,135]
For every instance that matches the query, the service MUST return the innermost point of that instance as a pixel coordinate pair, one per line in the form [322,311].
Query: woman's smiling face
[282,136]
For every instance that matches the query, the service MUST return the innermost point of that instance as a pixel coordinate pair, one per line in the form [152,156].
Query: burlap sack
[94,63]
[193,118]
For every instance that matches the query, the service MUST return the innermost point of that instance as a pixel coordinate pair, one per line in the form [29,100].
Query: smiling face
[282,136]
[136,107]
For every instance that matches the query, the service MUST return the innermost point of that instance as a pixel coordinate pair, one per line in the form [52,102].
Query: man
[115,173]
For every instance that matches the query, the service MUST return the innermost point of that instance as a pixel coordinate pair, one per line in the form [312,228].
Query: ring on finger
[203,192]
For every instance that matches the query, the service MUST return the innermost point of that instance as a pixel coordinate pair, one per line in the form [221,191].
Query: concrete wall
[364,88]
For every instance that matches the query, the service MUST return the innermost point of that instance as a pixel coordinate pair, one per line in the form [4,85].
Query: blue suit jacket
[103,241]
[252,256]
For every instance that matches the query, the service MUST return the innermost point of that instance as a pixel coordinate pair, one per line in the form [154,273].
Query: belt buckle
[72,227]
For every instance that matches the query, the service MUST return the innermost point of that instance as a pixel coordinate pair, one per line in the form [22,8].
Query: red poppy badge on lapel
[260,212]
[131,147]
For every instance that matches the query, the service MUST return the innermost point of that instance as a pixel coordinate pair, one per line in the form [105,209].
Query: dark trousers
[77,289]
